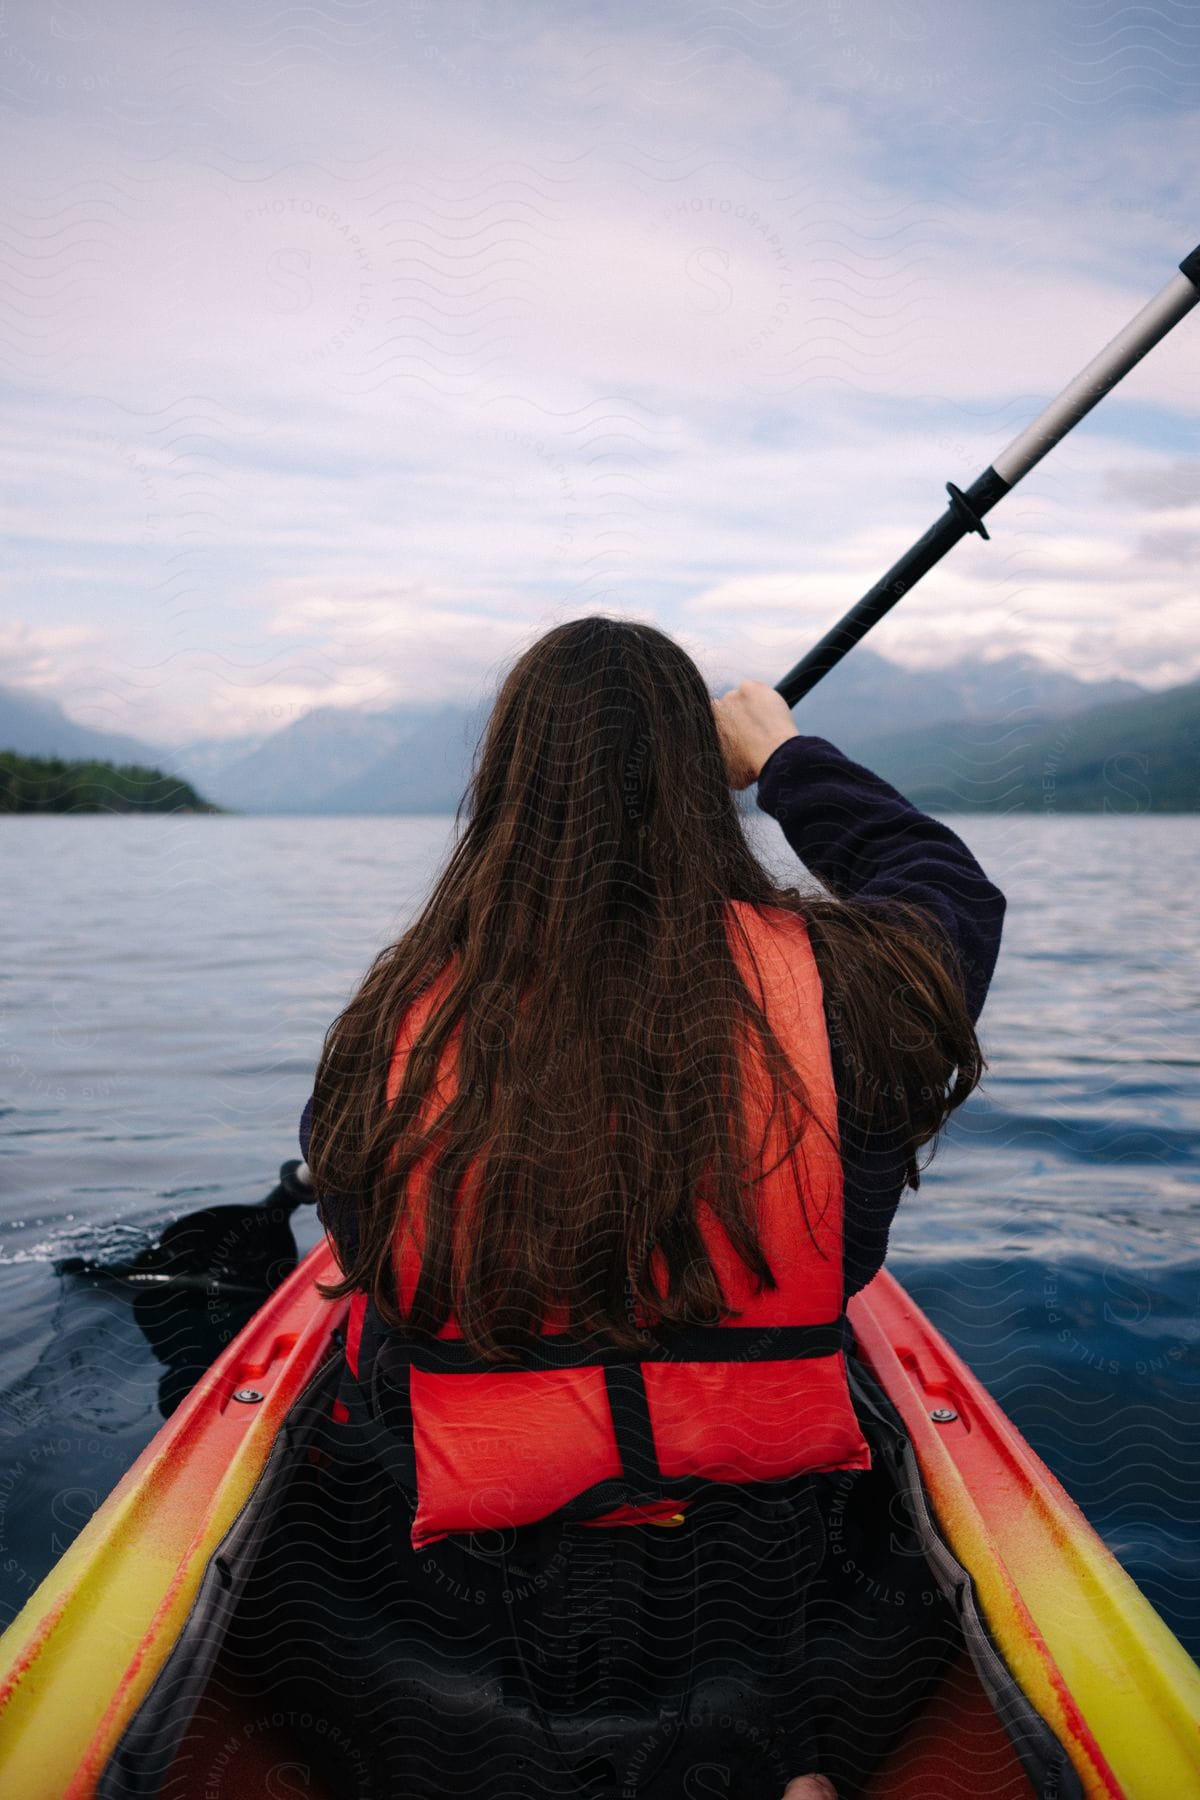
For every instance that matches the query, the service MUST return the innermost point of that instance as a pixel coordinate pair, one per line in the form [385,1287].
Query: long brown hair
[599,1013]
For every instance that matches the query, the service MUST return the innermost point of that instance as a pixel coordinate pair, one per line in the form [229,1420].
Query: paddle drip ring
[964,512]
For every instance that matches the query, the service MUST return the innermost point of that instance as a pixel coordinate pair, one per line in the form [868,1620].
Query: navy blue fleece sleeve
[865,841]
[324,1210]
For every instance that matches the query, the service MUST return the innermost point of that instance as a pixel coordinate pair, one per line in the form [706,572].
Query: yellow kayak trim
[1086,1646]
[127,1583]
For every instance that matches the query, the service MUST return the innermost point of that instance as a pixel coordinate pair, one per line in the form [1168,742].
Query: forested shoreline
[52,784]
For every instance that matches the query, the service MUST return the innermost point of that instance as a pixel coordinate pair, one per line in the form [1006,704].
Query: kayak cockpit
[229,1621]
[307,1668]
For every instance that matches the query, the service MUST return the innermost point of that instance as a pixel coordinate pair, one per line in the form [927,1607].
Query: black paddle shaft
[966,511]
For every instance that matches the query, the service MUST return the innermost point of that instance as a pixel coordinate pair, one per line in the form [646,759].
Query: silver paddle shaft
[1104,371]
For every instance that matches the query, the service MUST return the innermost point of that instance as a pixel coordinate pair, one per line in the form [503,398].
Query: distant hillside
[48,784]
[417,758]
[36,726]
[410,759]
[959,737]
[205,760]
[867,694]
[1130,756]
[425,771]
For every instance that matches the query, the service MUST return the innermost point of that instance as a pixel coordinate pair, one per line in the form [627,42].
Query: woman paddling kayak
[617,1126]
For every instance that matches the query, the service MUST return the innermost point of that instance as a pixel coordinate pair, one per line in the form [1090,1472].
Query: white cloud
[38,658]
[373,346]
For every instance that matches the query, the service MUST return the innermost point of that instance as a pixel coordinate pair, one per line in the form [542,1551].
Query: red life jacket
[585,1431]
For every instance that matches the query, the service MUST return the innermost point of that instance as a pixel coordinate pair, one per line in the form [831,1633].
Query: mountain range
[1127,756]
[1010,733]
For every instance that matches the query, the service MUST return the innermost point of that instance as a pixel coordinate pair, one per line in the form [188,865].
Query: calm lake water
[167,983]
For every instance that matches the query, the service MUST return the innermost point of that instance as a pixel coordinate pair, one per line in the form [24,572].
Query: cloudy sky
[346,347]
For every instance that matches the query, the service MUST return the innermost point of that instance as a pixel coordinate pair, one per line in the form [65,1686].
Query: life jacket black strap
[632,1429]
[566,1350]
[379,1408]
[756,1343]
[369,1436]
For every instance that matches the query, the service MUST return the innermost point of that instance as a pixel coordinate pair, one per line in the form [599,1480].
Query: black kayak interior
[821,1625]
